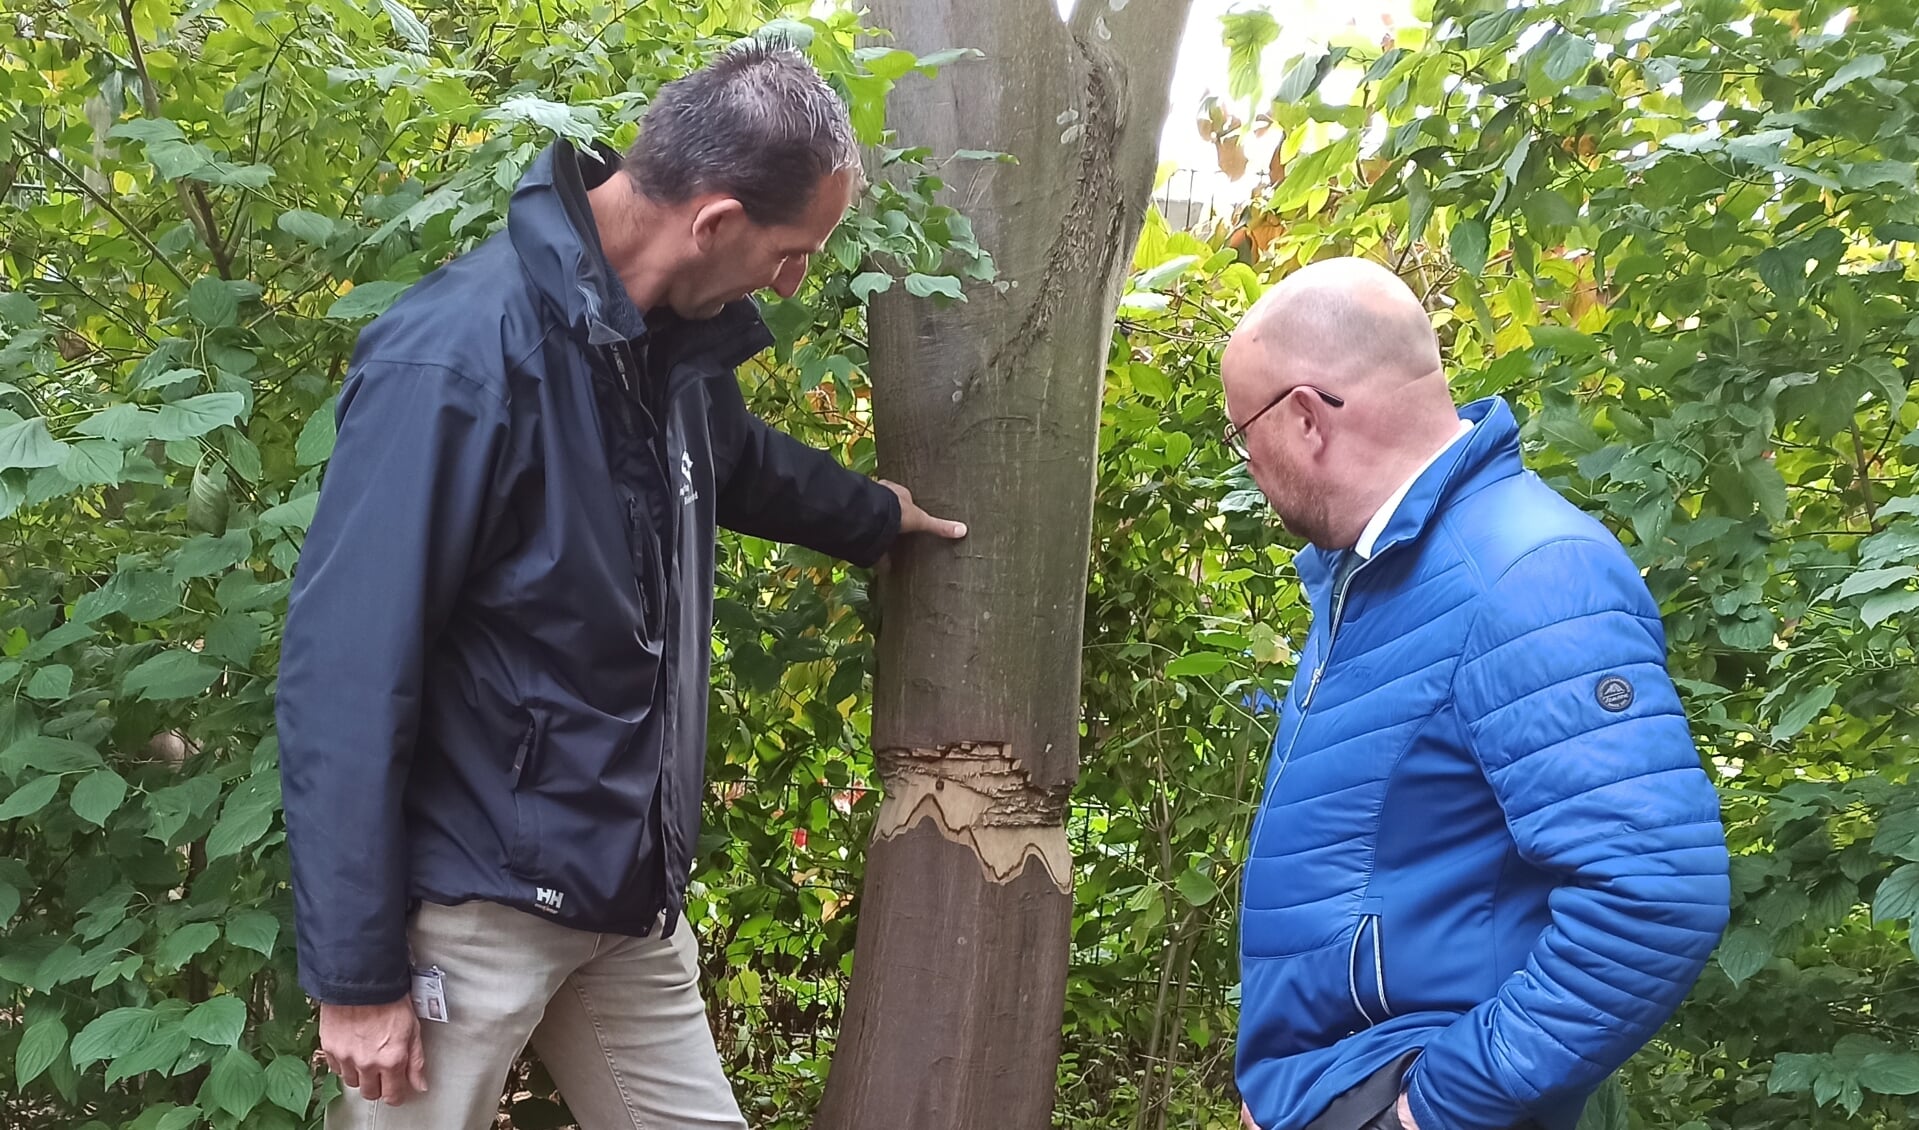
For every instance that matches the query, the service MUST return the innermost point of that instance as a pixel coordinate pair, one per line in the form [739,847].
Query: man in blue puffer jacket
[1487,865]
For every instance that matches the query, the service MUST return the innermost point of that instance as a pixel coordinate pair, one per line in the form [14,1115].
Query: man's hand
[913,520]
[375,1048]
[1404,1110]
[1246,1118]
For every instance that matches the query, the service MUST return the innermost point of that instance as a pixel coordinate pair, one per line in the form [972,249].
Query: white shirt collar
[1369,536]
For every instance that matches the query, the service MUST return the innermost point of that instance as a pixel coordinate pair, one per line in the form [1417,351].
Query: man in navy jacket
[493,687]
[1487,865]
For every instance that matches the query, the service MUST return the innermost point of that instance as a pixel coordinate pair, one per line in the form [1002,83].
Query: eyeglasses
[1236,434]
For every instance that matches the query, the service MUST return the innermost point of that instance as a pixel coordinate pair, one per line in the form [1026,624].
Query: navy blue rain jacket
[1486,833]
[494,675]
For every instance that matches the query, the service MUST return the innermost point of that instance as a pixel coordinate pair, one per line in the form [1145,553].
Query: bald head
[1339,324]
[1335,383]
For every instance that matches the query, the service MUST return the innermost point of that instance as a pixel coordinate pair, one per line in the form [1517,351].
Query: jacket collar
[551,227]
[1489,453]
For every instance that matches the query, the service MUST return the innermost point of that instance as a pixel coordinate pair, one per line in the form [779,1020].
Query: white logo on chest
[688,496]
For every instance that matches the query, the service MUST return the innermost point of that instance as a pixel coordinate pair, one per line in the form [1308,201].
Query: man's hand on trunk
[913,520]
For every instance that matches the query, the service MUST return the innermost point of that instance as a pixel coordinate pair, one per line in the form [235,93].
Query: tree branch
[80,183]
[193,199]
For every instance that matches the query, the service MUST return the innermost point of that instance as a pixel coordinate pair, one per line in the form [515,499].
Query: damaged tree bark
[990,410]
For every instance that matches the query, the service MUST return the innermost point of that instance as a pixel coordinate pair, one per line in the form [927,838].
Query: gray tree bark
[990,410]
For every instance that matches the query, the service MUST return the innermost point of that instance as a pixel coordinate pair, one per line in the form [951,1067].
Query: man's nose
[791,274]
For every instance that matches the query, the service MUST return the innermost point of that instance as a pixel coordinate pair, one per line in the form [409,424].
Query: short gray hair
[758,124]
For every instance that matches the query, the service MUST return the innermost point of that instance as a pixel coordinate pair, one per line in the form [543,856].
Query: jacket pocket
[649,567]
[1366,965]
[523,853]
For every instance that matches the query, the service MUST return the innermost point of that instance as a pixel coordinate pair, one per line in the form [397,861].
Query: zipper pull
[1312,686]
[619,365]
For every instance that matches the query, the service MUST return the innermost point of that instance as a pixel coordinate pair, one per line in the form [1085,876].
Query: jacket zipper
[1379,970]
[1306,700]
[525,752]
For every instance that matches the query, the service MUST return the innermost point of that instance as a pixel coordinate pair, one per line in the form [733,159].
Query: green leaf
[122,423]
[1792,1072]
[1744,952]
[52,683]
[247,815]
[1884,606]
[236,1084]
[1897,899]
[112,1034]
[218,1021]
[793,33]
[1246,35]
[94,462]
[209,501]
[408,25]
[289,1084]
[1564,341]
[97,796]
[140,594]
[1567,55]
[65,635]
[1872,580]
[1197,664]
[184,944]
[1197,888]
[212,304]
[147,130]
[1890,1073]
[865,285]
[366,300]
[317,437]
[308,227]
[886,62]
[294,515]
[1808,707]
[255,930]
[172,674]
[177,1118]
[29,798]
[1768,488]
[158,1052]
[26,443]
[197,415]
[1898,834]
[1469,243]
[1865,66]
[931,63]
[48,755]
[925,286]
[40,1045]
[1157,277]
[233,639]
[207,556]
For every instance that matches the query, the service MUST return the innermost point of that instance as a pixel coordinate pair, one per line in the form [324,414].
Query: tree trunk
[989,410]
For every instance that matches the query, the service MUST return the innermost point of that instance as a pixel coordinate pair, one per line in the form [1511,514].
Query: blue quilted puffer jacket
[1486,834]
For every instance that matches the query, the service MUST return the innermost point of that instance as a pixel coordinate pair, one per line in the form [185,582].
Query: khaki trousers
[618,1021]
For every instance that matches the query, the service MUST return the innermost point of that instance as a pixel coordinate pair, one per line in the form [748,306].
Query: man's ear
[713,217]
[1312,422]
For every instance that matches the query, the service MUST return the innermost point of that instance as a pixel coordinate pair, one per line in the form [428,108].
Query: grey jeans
[618,1021]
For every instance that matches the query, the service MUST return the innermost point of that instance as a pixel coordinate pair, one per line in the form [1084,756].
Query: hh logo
[688,496]
[549,899]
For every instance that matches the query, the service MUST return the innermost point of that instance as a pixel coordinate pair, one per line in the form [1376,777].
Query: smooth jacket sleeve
[383,564]
[1609,797]
[783,490]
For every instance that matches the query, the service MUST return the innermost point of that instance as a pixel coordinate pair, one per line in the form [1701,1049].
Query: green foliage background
[1681,241]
